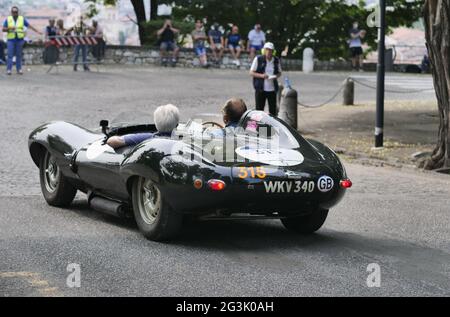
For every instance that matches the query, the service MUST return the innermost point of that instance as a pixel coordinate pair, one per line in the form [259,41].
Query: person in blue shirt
[166,120]
[233,43]
[216,42]
[15,26]
[232,112]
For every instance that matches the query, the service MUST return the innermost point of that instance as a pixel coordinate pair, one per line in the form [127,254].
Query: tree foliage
[321,25]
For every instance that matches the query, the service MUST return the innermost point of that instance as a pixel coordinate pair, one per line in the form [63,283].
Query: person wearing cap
[256,41]
[265,70]
[15,26]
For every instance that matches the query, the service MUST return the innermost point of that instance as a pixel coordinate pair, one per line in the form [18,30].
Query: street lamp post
[379,133]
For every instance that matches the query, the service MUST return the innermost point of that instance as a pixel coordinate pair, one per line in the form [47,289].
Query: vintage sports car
[264,169]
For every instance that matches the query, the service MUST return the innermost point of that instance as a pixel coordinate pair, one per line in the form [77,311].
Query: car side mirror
[104,124]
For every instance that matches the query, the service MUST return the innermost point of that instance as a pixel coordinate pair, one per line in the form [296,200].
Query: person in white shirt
[265,70]
[256,41]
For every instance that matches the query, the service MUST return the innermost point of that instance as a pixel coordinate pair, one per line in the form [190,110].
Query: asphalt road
[397,219]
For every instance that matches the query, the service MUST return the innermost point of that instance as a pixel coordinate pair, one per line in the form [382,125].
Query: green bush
[151,27]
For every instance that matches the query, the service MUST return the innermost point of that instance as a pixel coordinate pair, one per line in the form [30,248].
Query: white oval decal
[275,157]
[325,184]
[96,149]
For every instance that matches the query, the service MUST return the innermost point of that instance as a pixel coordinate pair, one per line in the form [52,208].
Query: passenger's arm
[116,142]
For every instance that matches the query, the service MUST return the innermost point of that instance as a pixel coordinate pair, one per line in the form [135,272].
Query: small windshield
[262,126]
[131,118]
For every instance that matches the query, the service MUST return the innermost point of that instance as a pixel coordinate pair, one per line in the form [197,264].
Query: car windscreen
[131,118]
[264,127]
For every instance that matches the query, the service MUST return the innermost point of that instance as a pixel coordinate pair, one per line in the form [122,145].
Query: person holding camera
[167,42]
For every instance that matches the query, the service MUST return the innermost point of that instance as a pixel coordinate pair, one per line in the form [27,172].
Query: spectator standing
[356,37]
[15,26]
[60,30]
[199,37]
[233,43]
[98,50]
[167,39]
[2,52]
[256,41]
[51,31]
[265,70]
[216,42]
[51,52]
[80,29]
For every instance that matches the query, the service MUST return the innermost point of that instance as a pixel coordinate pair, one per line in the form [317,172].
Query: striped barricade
[55,42]
[70,40]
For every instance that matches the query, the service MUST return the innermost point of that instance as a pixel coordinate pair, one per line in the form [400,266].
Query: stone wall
[132,55]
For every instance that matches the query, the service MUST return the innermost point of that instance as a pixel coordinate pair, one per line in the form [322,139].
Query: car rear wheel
[154,217]
[306,224]
[55,187]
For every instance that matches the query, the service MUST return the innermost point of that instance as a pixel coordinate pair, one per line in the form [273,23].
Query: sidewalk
[410,127]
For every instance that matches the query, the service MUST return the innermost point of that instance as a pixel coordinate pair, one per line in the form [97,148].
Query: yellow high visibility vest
[19,24]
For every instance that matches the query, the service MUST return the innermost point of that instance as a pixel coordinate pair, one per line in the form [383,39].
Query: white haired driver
[166,120]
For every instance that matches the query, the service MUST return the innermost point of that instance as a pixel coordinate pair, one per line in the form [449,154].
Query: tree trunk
[437,28]
[154,10]
[139,9]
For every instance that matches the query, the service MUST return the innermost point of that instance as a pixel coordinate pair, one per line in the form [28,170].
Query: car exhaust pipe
[109,207]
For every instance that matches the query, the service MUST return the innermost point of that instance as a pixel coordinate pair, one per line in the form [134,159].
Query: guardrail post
[280,91]
[289,107]
[349,92]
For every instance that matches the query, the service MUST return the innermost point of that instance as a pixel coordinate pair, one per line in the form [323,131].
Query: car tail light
[346,183]
[198,183]
[216,185]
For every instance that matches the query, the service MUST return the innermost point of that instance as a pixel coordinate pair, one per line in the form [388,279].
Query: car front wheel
[154,217]
[55,187]
[307,224]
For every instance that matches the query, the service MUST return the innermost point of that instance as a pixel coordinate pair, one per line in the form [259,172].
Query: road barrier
[51,53]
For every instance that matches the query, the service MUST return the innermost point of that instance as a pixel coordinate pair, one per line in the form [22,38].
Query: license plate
[289,187]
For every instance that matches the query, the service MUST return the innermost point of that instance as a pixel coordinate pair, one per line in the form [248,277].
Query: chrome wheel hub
[52,174]
[149,201]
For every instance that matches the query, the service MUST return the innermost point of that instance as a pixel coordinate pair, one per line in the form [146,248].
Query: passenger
[232,111]
[166,120]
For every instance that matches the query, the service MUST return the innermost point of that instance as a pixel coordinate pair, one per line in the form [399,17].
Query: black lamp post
[379,133]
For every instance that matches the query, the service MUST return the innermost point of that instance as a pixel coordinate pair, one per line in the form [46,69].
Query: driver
[232,111]
[166,120]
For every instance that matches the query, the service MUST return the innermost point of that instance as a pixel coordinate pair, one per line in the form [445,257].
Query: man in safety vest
[15,26]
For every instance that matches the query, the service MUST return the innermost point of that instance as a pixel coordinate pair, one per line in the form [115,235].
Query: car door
[98,165]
